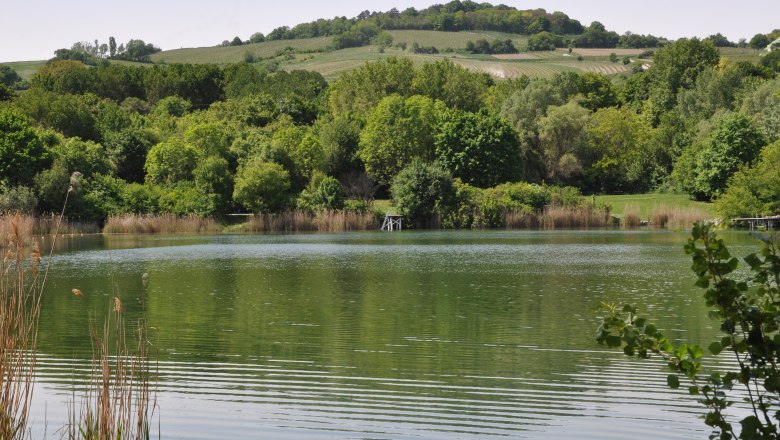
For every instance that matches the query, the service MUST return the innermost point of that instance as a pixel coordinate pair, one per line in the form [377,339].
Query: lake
[401,335]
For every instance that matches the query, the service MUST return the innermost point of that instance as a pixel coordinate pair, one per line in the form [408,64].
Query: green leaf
[613,341]
[693,390]
[673,381]
[628,308]
[715,348]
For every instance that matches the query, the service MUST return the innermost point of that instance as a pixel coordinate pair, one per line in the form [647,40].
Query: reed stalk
[119,402]
[21,288]
[631,217]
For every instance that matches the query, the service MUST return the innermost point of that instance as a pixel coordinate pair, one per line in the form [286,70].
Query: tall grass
[674,217]
[302,221]
[119,402]
[560,217]
[160,224]
[20,294]
[631,217]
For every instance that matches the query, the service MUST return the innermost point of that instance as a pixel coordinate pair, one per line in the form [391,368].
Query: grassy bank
[647,207]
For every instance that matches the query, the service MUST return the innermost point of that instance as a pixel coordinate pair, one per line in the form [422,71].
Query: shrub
[423,192]
[323,194]
[262,186]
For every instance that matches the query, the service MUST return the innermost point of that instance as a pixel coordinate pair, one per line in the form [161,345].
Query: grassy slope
[333,64]
[647,202]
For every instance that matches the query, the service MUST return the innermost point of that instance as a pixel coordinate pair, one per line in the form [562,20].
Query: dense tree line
[210,140]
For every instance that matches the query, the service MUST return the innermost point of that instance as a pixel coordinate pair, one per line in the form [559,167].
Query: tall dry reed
[119,402]
[160,224]
[559,217]
[302,221]
[20,292]
[21,288]
[631,217]
[664,216]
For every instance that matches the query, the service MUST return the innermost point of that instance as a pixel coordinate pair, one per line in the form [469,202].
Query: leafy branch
[749,313]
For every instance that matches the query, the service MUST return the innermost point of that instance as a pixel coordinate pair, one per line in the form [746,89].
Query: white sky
[34,29]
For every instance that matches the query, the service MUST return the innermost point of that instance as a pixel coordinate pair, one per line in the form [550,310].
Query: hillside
[313,54]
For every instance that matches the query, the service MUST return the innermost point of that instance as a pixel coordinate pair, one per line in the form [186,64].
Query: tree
[747,313]
[339,139]
[22,150]
[562,138]
[759,41]
[257,37]
[8,76]
[236,41]
[456,86]
[481,148]
[753,190]
[423,191]
[262,186]
[324,193]
[397,131]
[677,65]
[544,41]
[733,142]
[170,162]
[358,91]
[112,47]
[617,151]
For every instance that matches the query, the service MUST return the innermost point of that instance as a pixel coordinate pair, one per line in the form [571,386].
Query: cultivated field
[645,204]
[237,54]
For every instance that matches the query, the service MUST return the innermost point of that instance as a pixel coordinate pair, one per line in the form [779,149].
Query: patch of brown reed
[560,217]
[303,221]
[20,292]
[631,217]
[161,224]
[119,402]
[664,216]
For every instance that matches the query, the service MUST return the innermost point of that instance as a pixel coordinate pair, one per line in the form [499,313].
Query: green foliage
[422,192]
[617,151]
[562,139]
[324,193]
[398,131]
[705,170]
[544,41]
[21,199]
[677,66]
[22,150]
[71,115]
[170,162]
[262,186]
[772,60]
[339,138]
[753,190]
[596,35]
[356,92]
[456,86]
[748,314]
[481,148]
[86,157]
[213,177]
[8,76]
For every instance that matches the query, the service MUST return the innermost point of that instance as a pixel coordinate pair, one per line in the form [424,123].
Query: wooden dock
[768,222]
[392,222]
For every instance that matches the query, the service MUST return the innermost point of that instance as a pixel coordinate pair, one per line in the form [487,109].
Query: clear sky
[34,29]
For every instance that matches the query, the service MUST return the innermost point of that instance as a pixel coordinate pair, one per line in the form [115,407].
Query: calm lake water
[405,335]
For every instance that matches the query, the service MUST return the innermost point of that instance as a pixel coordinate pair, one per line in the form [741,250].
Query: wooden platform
[392,222]
[768,222]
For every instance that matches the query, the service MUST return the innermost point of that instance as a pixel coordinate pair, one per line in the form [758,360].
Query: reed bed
[20,294]
[119,402]
[631,217]
[161,224]
[302,221]
[664,216]
[559,217]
